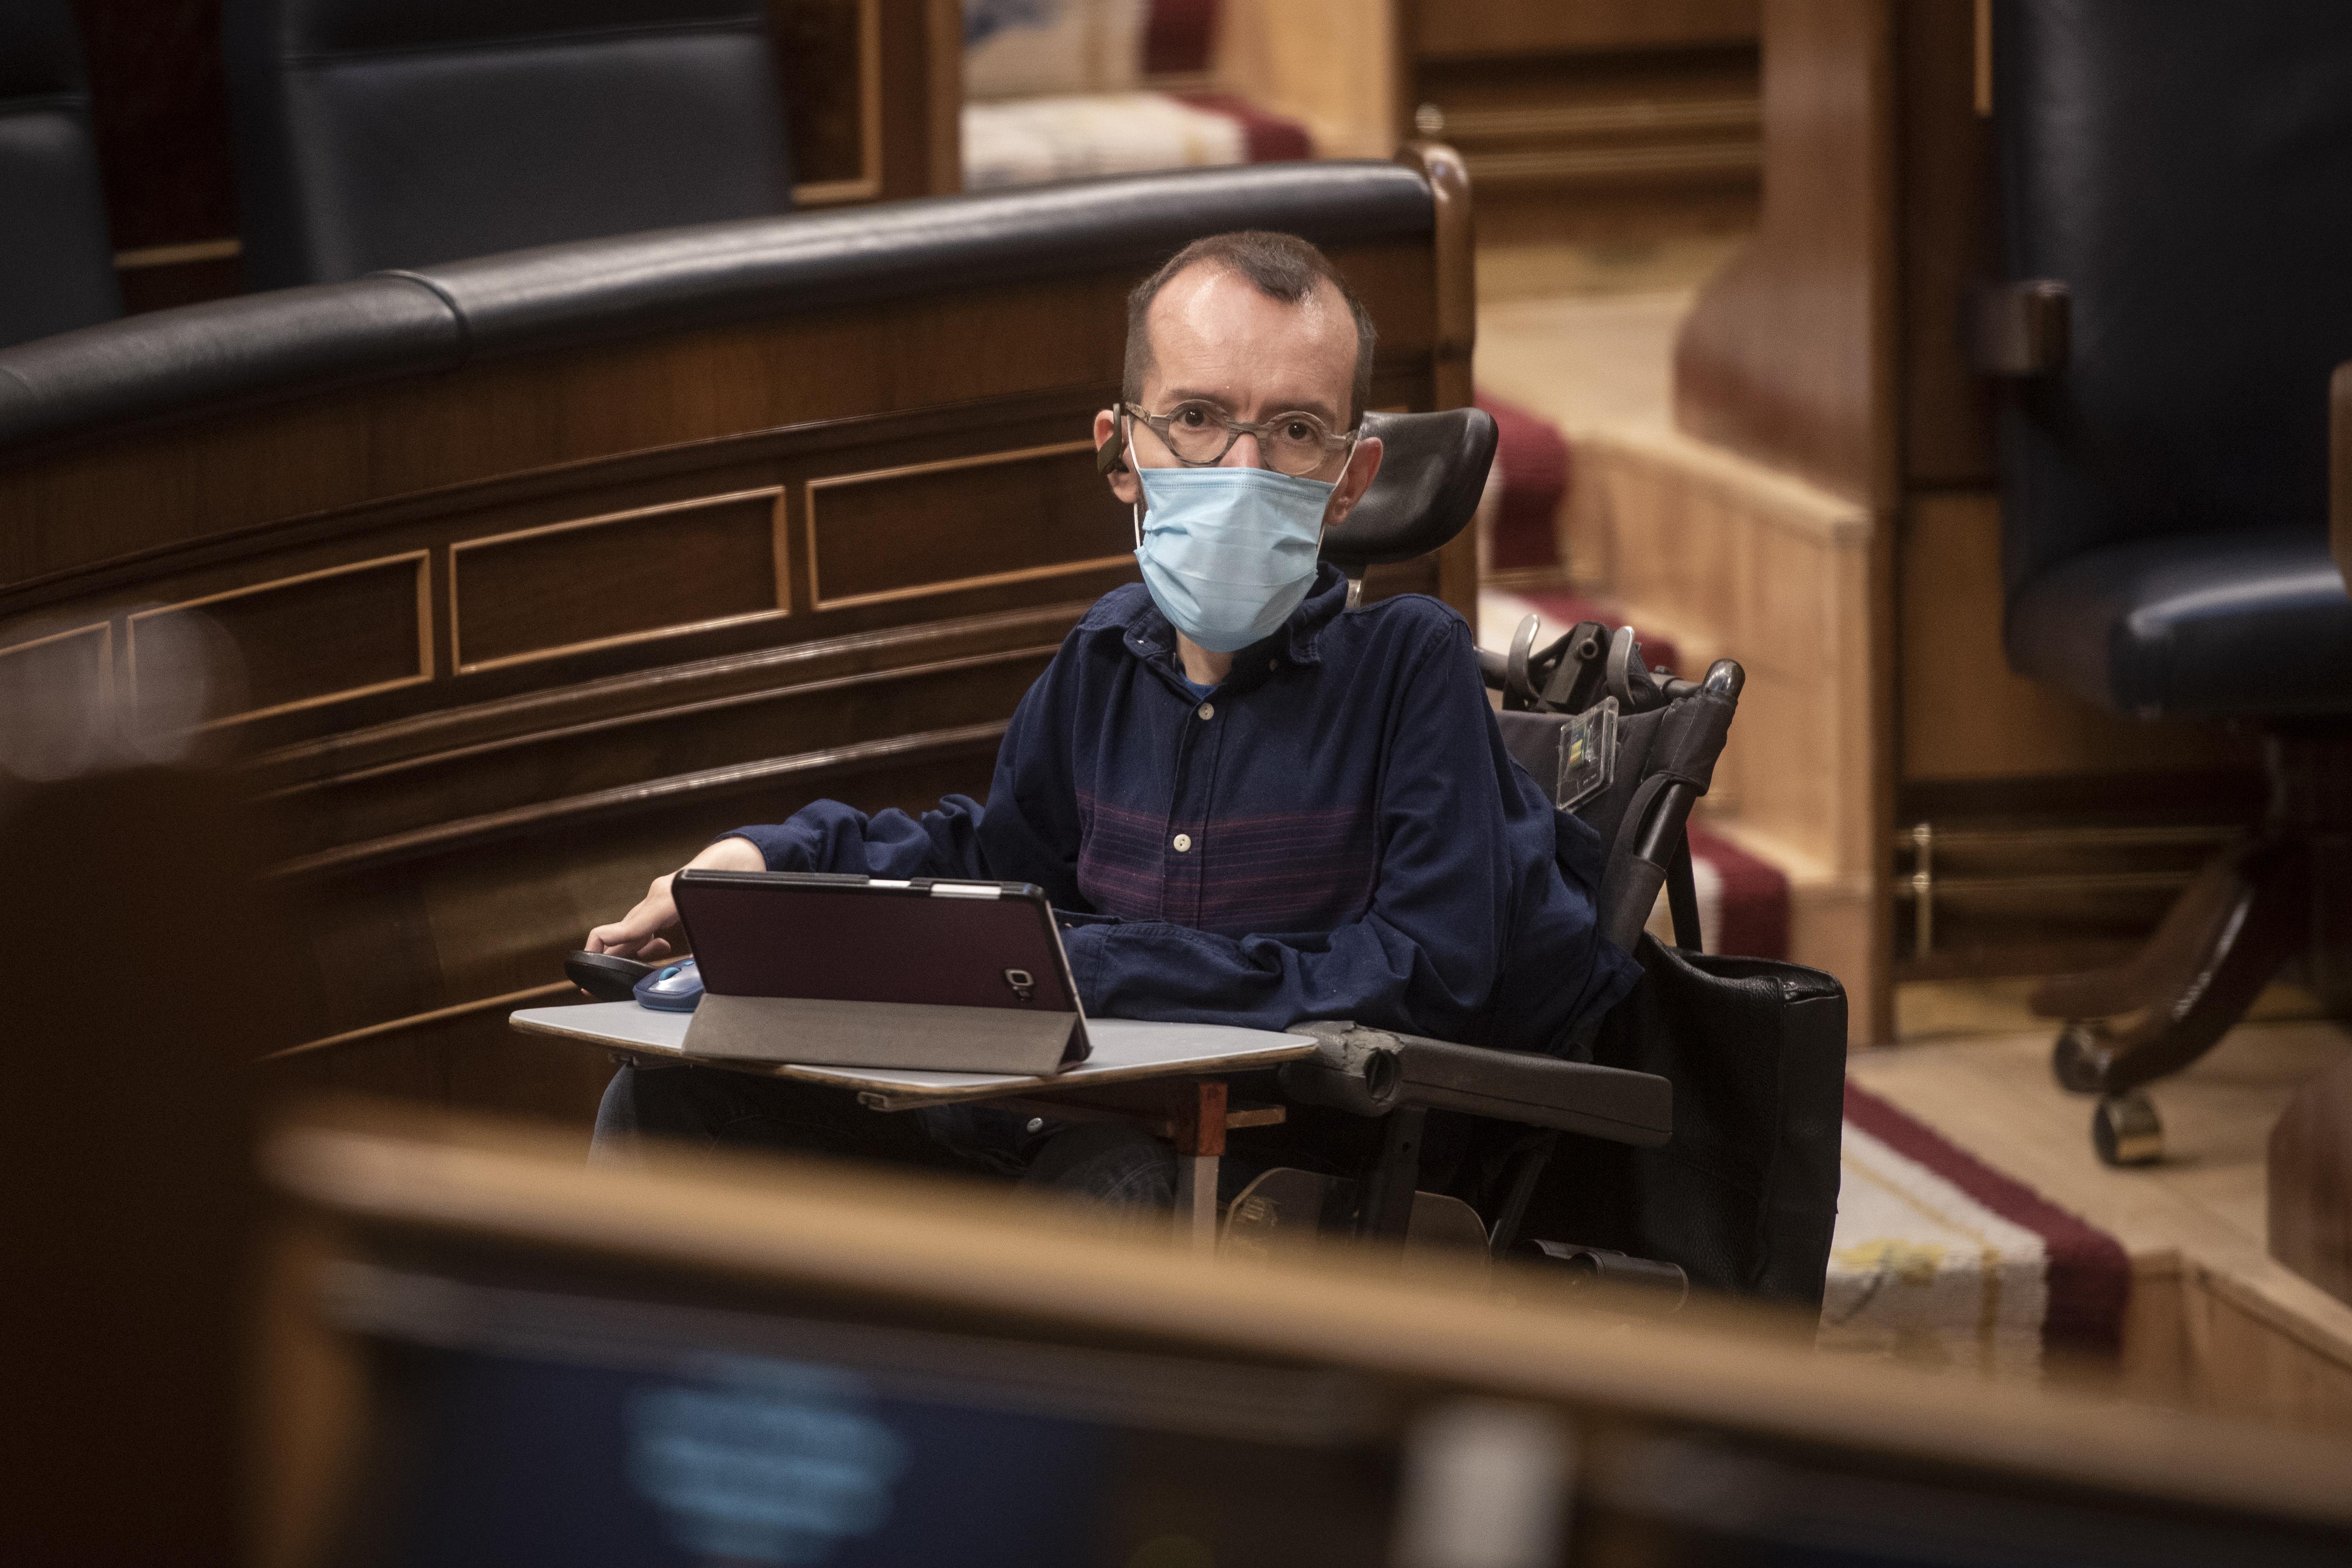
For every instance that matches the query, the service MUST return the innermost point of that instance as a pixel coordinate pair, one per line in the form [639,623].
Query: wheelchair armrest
[1372,1071]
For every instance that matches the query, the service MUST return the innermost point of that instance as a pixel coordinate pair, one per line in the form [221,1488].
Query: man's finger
[612,938]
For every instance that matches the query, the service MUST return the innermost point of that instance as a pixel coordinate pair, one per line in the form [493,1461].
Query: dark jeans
[1109,1162]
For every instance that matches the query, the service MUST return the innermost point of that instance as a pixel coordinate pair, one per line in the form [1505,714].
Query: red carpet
[1932,1239]
[1531,460]
[1752,921]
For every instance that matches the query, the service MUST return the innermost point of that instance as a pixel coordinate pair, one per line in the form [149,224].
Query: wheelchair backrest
[1631,777]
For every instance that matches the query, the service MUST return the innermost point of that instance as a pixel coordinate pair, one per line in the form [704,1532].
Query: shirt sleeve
[828,836]
[1027,832]
[1468,856]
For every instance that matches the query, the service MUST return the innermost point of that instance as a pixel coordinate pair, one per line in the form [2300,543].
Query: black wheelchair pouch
[1744,1194]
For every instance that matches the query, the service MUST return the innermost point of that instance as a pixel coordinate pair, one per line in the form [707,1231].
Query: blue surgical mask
[1228,553]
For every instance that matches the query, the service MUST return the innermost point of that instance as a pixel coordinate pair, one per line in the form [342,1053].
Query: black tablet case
[850,972]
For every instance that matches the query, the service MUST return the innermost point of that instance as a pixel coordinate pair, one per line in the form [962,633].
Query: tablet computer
[869,971]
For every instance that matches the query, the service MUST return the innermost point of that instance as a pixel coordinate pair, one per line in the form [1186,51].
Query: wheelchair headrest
[1432,470]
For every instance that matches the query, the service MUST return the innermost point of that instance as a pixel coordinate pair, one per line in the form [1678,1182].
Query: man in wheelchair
[1255,805]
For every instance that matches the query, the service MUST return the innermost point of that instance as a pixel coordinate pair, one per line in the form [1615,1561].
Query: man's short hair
[1280,266]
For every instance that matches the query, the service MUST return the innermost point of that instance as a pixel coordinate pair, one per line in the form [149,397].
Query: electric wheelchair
[1690,1137]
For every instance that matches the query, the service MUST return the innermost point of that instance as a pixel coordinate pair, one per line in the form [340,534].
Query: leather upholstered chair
[2176,192]
[56,262]
[372,134]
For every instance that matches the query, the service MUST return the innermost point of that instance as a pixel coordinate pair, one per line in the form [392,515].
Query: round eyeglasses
[1199,435]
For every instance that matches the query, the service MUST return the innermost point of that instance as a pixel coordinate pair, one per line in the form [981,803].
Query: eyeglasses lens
[1297,443]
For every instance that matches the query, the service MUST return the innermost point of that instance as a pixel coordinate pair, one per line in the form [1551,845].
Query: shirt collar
[1149,636]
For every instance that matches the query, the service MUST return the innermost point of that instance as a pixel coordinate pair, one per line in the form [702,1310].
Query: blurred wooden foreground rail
[542,569]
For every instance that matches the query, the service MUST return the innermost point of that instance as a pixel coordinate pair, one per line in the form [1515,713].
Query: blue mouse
[672,989]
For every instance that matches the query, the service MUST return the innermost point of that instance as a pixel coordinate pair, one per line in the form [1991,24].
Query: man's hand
[645,932]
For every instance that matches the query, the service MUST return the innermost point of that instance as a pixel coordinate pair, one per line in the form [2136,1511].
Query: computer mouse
[672,989]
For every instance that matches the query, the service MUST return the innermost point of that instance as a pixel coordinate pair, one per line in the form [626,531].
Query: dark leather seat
[399,133]
[292,344]
[2254,624]
[57,261]
[2185,169]
[2182,172]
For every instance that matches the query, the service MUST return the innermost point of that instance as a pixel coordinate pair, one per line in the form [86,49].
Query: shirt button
[1183,842]
[1274,664]
[1208,710]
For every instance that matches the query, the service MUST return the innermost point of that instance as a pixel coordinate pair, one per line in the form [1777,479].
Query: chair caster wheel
[2078,1060]
[2126,1131]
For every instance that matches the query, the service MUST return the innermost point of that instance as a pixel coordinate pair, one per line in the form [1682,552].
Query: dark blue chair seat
[57,261]
[2254,623]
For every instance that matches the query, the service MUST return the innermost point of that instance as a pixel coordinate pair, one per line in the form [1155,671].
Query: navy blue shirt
[1334,832]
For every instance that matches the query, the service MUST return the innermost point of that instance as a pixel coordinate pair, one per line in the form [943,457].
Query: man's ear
[1111,458]
[1363,465]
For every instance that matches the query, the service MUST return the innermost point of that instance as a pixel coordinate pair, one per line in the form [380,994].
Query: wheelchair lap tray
[849,971]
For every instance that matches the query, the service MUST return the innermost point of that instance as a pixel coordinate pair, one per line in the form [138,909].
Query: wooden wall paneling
[874,94]
[1789,353]
[346,754]
[627,577]
[644,596]
[82,657]
[159,107]
[1335,66]
[941,134]
[1950,243]
[326,636]
[876,537]
[830,71]
[120,497]
[545,774]
[1590,122]
[1453,27]
[49,681]
[1552,127]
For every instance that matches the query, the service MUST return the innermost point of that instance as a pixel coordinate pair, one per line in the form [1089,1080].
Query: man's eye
[1299,430]
[1191,418]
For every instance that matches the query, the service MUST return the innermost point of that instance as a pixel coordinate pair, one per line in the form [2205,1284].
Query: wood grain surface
[1789,355]
[2310,1183]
